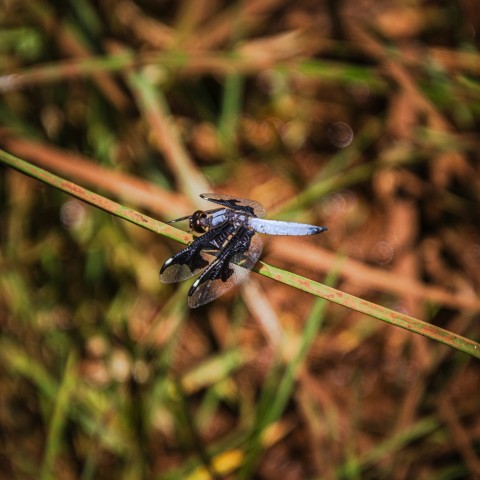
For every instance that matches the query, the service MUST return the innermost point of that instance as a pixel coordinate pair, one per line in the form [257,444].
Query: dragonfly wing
[239,204]
[197,256]
[230,268]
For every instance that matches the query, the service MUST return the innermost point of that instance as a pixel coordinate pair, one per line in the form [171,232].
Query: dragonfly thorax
[237,219]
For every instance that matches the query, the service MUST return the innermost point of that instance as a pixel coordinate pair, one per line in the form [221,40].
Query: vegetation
[359,116]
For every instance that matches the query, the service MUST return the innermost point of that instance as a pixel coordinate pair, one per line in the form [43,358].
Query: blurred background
[359,115]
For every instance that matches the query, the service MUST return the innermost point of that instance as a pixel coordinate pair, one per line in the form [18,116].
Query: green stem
[373,310]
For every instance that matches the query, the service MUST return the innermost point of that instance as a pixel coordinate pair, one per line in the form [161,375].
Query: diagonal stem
[376,311]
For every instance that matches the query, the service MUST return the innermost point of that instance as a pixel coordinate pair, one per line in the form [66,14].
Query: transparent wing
[197,256]
[239,204]
[230,268]
[181,266]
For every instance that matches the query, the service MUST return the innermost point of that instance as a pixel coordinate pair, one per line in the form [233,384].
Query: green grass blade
[59,417]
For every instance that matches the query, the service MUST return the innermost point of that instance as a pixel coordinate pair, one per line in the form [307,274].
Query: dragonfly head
[198,221]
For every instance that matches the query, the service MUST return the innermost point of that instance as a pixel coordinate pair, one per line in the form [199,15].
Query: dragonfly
[228,247]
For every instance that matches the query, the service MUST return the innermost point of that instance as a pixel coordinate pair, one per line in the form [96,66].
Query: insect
[228,248]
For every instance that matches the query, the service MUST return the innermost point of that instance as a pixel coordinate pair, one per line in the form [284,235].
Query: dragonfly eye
[197,221]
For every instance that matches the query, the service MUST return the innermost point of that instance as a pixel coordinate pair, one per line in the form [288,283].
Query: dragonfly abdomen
[277,227]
